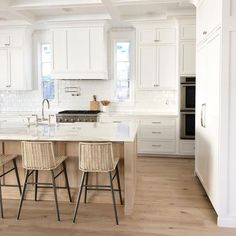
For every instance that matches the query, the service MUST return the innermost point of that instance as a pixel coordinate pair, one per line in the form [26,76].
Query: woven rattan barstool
[5,159]
[38,156]
[98,157]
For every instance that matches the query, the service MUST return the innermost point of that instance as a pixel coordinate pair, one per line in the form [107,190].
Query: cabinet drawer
[160,147]
[157,133]
[158,122]
[187,147]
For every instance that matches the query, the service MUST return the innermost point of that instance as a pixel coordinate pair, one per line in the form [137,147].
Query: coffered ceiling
[116,10]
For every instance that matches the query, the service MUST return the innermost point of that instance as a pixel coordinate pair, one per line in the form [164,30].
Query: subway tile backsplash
[30,101]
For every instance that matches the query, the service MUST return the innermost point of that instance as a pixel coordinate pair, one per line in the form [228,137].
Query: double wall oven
[187,107]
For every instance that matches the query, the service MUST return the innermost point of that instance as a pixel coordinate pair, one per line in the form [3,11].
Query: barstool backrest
[96,157]
[38,155]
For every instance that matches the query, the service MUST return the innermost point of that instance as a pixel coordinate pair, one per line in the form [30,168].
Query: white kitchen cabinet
[187,57]
[3,68]
[156,57]
[187,147]
[156,35]
[148,67]
[59,50]
[166,67]
[11,38]
[79,53]
[207,117]
[157,135]
[187,31]
[157,67]
[15,59]
[208,18]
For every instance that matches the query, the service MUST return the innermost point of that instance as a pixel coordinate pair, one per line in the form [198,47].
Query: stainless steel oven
[187,125]
[187,91]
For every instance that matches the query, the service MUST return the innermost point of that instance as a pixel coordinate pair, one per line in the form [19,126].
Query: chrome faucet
[44,100]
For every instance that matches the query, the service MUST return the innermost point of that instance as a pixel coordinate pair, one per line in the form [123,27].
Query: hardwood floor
[169,201]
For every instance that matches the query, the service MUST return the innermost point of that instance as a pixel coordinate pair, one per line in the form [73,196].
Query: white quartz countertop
[139,113]
[121,132]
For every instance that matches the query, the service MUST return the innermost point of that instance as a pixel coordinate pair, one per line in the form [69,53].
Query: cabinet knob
[204,32]
[8,86]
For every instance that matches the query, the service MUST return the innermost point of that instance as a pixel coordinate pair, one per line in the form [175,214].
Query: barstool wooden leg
[23,194]
[17,175]
[113,197]
[66,179]
[1,204]
[118,183]
[86,188]
[79,196]
[55,195]
[36,185]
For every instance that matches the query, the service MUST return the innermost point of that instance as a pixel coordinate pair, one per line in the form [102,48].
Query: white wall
[158,101]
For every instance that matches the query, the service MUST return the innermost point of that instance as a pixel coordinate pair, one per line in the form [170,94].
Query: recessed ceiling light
[66,9]
[151,13]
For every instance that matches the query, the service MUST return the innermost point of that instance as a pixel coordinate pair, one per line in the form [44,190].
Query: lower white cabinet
[187,147]
[157,135]
[156,147]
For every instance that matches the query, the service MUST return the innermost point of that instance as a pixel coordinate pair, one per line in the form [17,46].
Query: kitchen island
[66,138]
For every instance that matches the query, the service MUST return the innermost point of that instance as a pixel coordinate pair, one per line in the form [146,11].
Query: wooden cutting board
[94,105]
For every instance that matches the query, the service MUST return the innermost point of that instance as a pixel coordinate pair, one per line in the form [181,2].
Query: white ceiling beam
[112,10]
[25,16]
[40,4]
[148,2]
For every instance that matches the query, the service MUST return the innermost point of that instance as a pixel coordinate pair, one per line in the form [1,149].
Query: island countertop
[82,131]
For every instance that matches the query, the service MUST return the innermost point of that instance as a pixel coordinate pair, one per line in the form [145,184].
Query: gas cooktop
[70,116]
[69,112]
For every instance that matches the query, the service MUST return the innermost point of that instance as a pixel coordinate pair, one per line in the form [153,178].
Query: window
[122,71]
[46,79]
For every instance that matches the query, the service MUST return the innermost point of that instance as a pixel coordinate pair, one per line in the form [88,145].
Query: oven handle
[203,110]
[188,85]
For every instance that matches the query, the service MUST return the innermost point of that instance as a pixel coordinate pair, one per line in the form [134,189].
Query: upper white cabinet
[187,58]
[208,18]
[15,59]
[79,53]
[187,47]
[187,31]
[156,57]
[156,35]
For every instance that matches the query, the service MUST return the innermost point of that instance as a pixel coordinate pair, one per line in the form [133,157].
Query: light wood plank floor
[169,202]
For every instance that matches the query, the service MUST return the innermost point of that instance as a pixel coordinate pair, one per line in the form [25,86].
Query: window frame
[123,35]
[41,70]
[115,70]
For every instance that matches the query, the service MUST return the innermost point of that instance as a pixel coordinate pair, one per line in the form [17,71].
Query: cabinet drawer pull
[204,32]
[156,122]
[156,40]
[155,145]
[7,44]
[154,132]
[8,86]
[155,85]
[117,121]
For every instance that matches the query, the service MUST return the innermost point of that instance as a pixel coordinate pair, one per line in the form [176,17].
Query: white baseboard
[229,222]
